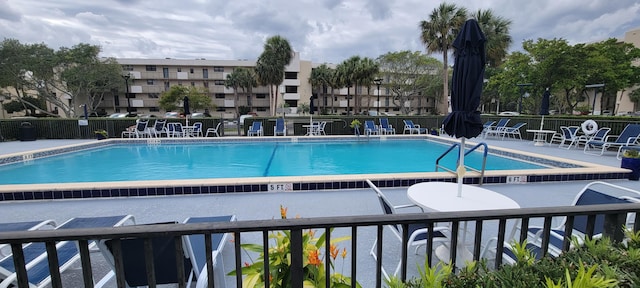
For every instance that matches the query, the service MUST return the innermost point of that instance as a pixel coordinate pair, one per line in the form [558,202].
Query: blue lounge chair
[487,125]
[569,136]
[513,131]
[279,128]
[496,130]
[587,196]
[630,136]
[197,252]
[22,226]
[385,127]
[35,255]
[508,253]
[158,128]
[174,129]
[409,126]
[600,135]
[370,127]
[141,129]
[255,129]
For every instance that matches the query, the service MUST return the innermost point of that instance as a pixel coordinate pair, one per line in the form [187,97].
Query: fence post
[613,224]
[296,258]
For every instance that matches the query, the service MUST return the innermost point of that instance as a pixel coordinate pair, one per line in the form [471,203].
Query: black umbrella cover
[544,107]
[466,85]
[185,105]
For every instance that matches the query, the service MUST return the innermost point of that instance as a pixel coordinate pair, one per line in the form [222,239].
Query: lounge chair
[600,135]
[630,136]
[418,233]
[35,254]
[370,128]
[385,127]
[513,131]
[255,129]
[158,128]
[569,136]
[196,130]
[321,127]
[589,195]
[487,125]
[280,128]
[197,252]
[141,129]
[497,129]
[508,251]
[409,126]
[175,129]
[22,226]
[213,131]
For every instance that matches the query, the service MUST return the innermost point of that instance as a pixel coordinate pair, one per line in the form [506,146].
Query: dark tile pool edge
[264,187]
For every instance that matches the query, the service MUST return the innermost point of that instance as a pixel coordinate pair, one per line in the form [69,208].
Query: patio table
[443,197]
[540,136]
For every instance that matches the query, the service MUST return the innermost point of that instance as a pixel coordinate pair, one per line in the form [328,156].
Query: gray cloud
[321,30]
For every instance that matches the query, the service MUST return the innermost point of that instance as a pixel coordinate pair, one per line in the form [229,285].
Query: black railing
[615,216]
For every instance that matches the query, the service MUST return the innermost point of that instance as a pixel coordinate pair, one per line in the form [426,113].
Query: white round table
[540,136]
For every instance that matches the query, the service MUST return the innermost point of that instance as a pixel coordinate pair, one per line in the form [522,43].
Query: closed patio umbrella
[468,77]
[185,105]
[544,106]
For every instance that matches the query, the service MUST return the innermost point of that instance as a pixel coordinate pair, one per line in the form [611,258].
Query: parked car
[171,115]
[118,115]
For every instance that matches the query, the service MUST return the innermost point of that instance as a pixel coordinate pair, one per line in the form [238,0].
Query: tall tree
[345,76]
[320,80]
[438,34]
[496,30]
[366,71]
[172,100]
[271,64]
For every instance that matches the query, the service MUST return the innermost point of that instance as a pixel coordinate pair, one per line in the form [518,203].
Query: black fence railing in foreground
[615,216]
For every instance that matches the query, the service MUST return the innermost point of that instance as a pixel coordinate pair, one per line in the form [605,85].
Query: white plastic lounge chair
[370,127]
[158,128]
[600,135]
[630,136]
[35,255]
[385,127]
[589,195]
[569,136]
[496,130]
[321,126]
[22,226]
[409,126]
[197,251]
[255,129]
[174,129]
[280,128]
[486,126]
[196,130]
[213,130]
[418,233]
[513,131]
[141,129]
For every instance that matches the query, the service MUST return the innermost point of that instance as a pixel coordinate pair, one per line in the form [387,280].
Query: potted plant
[434,131]
[355,124]
[101,134]
[631,161]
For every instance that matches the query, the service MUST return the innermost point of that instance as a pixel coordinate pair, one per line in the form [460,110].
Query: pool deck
[265,205]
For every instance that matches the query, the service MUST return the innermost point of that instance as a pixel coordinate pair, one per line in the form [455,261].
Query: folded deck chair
[127,258]
[35,254]
[630,136]
[589,195]
[22,226]
[197,252]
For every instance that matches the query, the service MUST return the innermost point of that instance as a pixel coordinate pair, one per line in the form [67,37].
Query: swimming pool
[138,162]
[556,169]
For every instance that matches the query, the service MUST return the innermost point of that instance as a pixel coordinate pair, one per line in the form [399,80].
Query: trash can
[27,132]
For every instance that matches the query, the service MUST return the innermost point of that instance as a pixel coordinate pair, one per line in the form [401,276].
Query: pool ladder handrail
[484,159]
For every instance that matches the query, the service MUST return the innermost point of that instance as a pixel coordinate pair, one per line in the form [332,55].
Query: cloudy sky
[321,30]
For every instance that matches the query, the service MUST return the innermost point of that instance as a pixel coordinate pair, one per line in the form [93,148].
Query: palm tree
[247,80]
[320,79]
[439,32]
[233,82]
[496,29]
[346,76]
[366,71]
[271,64]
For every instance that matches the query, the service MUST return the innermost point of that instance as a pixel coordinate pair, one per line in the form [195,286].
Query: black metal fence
[614,219]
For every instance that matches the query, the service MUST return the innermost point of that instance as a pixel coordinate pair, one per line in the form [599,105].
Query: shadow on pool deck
[250,206]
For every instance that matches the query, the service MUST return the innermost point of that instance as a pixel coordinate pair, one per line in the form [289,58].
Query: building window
[116,100]
[291,89]
[166,86]
[291,103]
[206,84]
[218,69]
[290,75]
[151,68]
[179,69]
[261,95]
[165,72]
[218,82]
[193,84]
[191,70]
[220,95]
[261,109]
[154,109]
[150,81]
[220,109]
[127,67]
[154,95]
[205,74]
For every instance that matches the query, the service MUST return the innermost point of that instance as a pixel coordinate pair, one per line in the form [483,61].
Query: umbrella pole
[461,170]
[542,123]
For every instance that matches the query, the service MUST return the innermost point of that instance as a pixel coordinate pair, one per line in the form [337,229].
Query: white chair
[158,128]
[418,233]
[196,130]
[569,136]
[141,129]
[213,130]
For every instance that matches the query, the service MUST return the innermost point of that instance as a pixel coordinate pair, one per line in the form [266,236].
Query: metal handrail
[484,159]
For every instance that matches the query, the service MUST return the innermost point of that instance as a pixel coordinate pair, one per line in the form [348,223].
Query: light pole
[126,83]
[595,95]
[378,82]
[348,99]
[522,85]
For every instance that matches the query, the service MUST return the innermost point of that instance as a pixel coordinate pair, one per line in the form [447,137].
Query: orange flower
[283,212]
[344,253]
[313,258]
[311,233]
[334,251]
[246,264]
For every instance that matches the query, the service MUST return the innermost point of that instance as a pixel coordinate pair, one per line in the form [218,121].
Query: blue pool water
[240,159]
